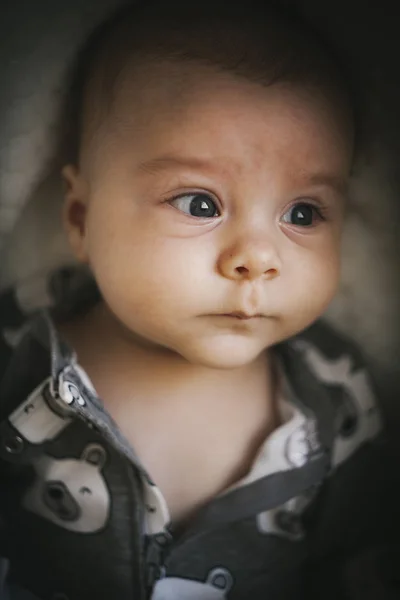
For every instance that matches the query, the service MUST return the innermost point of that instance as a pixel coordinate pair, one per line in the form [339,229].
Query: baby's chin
[223,353]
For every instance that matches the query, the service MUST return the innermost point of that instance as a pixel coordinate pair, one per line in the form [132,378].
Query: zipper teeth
[155,559]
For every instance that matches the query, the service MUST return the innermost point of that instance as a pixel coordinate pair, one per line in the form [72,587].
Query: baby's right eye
[196,205]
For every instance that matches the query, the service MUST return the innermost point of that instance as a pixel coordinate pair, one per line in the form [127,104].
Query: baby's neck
[175,413]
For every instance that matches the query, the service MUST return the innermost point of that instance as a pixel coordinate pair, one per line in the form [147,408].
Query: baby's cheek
[322,282]
[311,283]
[136,274]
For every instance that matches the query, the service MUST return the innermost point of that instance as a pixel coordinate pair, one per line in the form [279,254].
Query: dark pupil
[202,206]
[302,215]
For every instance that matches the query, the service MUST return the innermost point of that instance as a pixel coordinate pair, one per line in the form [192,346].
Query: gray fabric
[230,553]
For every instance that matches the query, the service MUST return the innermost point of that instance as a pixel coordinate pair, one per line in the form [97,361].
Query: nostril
[271,272]
[242,270]
[248,272]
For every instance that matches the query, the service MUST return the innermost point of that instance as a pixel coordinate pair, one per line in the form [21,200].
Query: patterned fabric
[81,518]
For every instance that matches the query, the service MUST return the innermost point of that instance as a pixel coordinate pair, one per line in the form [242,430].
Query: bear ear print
[94,454]
[220,579]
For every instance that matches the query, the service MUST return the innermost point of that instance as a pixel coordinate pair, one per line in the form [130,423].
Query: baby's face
[211,211]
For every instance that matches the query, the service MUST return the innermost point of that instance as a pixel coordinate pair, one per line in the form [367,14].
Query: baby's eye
[302,214]
[196,205]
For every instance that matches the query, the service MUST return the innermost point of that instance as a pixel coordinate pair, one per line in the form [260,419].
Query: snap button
[69,393]
[14,444]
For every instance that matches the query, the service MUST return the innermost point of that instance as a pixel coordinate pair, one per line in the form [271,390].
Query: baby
[188,435]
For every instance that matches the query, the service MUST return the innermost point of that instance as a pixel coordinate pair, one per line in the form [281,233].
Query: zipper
[156,550]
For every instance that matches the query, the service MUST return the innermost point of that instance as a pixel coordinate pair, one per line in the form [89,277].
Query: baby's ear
[75,210]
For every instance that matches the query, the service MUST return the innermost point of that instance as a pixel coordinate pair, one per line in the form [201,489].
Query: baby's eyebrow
[338,184]
[163,163]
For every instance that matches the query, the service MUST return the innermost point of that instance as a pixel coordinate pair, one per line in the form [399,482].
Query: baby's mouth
[242,316]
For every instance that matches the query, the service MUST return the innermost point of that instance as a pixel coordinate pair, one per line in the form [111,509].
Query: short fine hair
[259,41]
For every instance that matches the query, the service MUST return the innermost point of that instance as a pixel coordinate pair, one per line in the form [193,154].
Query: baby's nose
[249,261]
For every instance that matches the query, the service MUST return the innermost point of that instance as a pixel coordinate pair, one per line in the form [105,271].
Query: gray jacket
[80,518]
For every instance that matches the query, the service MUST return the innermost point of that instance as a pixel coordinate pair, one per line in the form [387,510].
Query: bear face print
[217,586]
[71,493]
[359,416]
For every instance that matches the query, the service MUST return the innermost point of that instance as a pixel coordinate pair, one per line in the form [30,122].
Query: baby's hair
[264,44]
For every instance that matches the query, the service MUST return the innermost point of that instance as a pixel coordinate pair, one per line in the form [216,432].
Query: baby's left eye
[302,214]
[196,205]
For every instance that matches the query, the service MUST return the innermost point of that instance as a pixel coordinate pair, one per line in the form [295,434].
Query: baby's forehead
[179,95]
[221,123]
[263,50]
